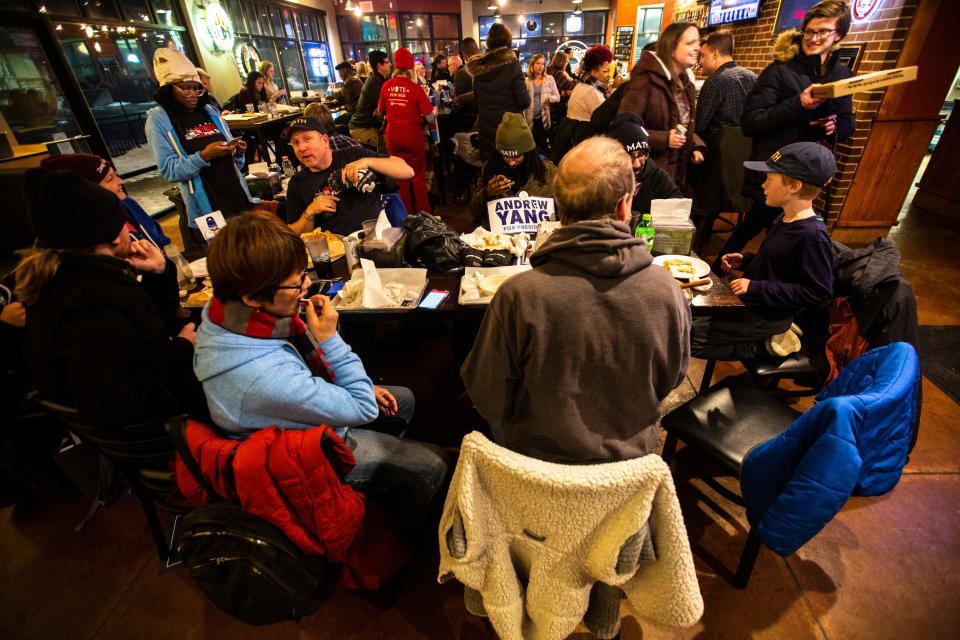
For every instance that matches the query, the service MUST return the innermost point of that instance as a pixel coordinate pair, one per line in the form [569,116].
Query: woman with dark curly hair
[585,98]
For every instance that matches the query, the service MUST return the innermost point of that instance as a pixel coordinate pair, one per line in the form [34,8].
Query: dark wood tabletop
[283,119]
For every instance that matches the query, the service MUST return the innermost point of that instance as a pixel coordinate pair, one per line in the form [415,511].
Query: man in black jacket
[653,183]
[365,122]
[781,110]
[97,339]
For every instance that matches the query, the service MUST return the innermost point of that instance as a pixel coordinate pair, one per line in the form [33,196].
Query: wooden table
[717,301]
[261,128]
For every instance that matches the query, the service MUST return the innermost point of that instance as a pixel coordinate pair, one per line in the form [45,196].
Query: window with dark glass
[425,35]
[551,31]
[112,60]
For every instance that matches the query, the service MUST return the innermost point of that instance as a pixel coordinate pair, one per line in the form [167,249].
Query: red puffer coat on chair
[293,479]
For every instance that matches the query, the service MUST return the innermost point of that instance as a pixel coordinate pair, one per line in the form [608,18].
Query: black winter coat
[99,341]
[773,115]
[499,87]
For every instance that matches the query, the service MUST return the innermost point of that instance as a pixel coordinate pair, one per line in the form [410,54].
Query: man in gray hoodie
[574,356]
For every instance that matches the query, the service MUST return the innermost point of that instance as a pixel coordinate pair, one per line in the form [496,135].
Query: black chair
[849,443]
[725,423]
[807,369]
[142,455]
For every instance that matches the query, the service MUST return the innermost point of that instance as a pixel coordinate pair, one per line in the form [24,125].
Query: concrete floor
[885,567]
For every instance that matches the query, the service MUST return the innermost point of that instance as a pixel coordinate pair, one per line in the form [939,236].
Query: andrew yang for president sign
[520,214]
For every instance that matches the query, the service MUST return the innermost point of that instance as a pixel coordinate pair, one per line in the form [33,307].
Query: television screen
[724,11]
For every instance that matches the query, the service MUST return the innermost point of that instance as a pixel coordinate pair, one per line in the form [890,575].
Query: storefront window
[100,9]
[551,31]
[424,35]
[32,106]
[62,8]
[166,13]
[315,57]
[294,52]
[136,10]
[416,27]
[115,71]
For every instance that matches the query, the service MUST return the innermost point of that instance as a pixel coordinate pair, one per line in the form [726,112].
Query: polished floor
[886,567]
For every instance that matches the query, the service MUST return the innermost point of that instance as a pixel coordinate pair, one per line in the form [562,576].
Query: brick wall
[883,37]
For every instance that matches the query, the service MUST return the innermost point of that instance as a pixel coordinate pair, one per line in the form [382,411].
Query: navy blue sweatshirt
[793,269]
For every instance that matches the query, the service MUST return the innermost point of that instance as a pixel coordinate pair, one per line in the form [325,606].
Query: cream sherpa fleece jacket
[533,537]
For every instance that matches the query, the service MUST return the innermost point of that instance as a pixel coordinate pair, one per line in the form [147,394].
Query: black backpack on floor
[247,566]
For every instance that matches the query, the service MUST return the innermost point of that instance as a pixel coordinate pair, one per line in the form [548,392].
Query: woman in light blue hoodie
[261,365]
[192,144]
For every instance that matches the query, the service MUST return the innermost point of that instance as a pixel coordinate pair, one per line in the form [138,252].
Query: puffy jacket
[773,115]
[499,86]
[649,93]
[855,440]
[176,166]
[295,481]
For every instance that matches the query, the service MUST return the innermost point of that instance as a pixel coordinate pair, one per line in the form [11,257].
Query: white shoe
[783,344]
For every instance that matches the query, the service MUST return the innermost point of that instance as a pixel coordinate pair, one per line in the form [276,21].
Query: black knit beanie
[70,212]
[627,127]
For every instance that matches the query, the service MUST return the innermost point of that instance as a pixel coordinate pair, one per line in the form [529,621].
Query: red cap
[403,59]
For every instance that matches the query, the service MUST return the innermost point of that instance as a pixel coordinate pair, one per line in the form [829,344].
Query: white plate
[489,276]
[700,268]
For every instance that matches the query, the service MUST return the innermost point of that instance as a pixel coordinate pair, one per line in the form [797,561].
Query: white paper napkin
[383,223]
[670,211]
[373,294]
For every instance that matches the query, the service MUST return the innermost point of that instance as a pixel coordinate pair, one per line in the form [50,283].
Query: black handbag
[249,568]
[431,243]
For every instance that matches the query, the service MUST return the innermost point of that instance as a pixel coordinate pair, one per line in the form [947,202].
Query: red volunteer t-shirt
[403,102]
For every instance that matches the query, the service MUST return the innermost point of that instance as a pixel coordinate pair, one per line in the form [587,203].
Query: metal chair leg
[669,448]
[747,559]
[707,376]
[153,520]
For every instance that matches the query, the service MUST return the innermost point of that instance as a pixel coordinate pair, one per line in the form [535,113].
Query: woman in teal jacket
[192,144]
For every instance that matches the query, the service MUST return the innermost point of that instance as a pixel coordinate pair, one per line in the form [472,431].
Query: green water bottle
[645,230]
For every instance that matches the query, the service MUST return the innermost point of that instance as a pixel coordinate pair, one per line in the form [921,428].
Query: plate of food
[683,267]
[479,284]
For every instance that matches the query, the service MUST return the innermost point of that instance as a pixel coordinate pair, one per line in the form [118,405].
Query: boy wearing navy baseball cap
[793,269]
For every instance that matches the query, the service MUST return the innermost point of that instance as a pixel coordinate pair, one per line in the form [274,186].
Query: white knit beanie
[170,66]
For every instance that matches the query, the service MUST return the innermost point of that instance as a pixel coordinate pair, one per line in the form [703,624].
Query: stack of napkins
[671,211]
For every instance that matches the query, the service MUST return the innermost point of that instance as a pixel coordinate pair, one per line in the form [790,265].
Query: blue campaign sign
[520,214]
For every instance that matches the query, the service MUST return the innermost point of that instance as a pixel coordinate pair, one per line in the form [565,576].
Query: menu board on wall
[623,45]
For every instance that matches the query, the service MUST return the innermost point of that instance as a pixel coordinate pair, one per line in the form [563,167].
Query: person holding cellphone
[192,144]
[515,166]
[262,365]
[103,334]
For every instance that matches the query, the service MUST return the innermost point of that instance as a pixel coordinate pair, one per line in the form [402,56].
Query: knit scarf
[590,79]
[236,317]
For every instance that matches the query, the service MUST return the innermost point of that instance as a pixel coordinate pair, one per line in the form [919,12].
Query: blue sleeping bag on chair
[855,440]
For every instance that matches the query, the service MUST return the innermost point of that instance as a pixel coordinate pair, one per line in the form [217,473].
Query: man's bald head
[454,63]
[592,179]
